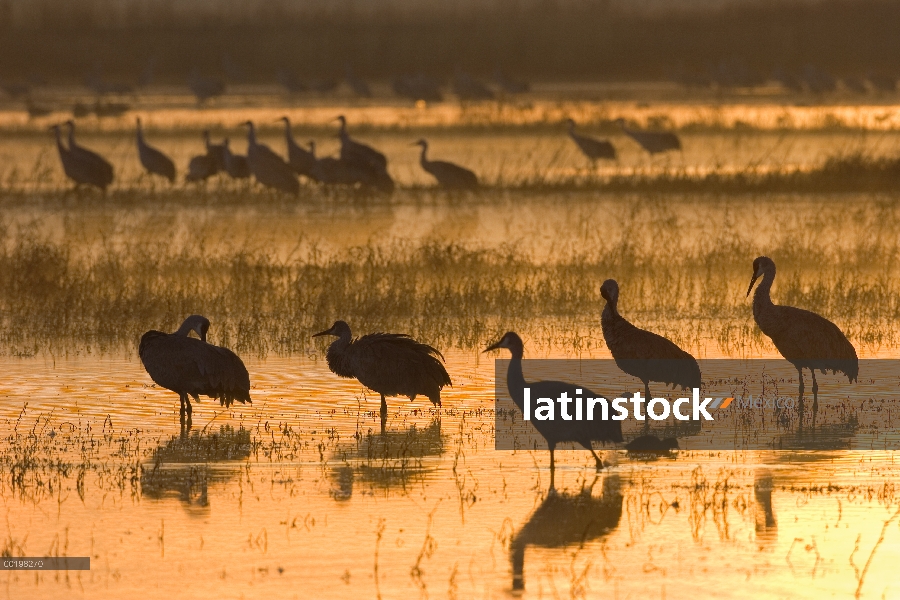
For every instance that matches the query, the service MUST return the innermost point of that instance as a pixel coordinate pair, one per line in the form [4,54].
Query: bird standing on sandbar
[555,431]
[153,160]
[448,175]
[641,353]
[805,339]
[592,148]
[390,364]
[192,367]
[653,142]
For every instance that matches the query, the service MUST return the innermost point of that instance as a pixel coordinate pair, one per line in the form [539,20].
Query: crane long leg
[596,458]
[181,411]
[815,396]
[552,470]
[800,398]
[383,413]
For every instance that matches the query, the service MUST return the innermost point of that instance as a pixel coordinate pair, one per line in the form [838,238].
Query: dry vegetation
[682,271]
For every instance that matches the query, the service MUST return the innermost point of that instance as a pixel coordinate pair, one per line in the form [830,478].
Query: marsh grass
[682,277]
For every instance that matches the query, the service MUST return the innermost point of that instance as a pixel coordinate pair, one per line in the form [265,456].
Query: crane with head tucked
[193,367]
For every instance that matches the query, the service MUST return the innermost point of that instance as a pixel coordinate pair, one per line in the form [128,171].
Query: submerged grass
[682,273]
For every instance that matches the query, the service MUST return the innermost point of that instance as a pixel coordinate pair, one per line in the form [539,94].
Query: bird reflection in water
[766,524]
[180,467]
[386,461]
[564,519]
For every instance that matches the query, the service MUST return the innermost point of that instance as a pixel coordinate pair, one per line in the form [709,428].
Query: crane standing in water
[555,431]
[390,364]
[371,163]
[301,160]
[267,167]
[653,142]
[76,168]
[235,164]
[192,367]
[641,353]
[100,169]
[153,160]
[805,339]
[592,148]
[448,175]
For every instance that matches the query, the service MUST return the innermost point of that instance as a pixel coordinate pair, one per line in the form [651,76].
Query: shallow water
[307,504]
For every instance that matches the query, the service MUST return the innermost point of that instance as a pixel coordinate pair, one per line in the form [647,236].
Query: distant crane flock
[358,164]
[393,364]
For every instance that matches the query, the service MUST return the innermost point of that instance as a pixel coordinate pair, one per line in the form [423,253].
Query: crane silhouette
[301,160]
[448,175]
[365,159]
[193,367]
[267,167]
[554,431]
[592,148]
[100,169]
[202,166]
[76,169]
[653,142]
[805,339]
[390,364]
[235,164]
[641,353]
[153,160]
[216,152]
[334,171]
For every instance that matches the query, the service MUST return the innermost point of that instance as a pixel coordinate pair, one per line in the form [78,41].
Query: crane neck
[288,134]
[515,379]
[762,298]
[59,142]
[251,134]
[423,158]
[611,310]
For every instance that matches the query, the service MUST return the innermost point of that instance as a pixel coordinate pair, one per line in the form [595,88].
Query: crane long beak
[752,281]
[491,347]
[321,333]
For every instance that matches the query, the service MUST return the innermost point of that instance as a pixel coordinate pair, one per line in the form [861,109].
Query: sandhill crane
[467,87]
[641,353]
[301,160]
[202,166]
[267,167]
[510,85]
[216,152]
[99,166]
[153,160]
[448,175]
[651,141]
[390,364]
[592,148]
[555,431]
[418,87]
[192,367]
[365,159]
[235,164]
[356,152]
[334,171]
[359,86]
[804,338]
[205,88]
[567,520]
[78,170]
